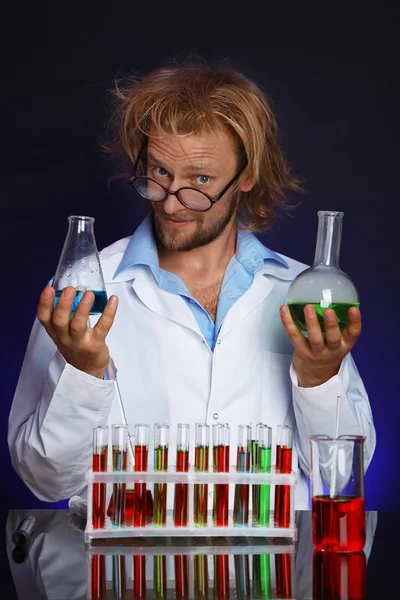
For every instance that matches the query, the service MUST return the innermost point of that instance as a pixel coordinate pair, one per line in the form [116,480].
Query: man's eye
[161,171]
[203,179]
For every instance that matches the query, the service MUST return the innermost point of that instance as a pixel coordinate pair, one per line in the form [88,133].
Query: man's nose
[172,204]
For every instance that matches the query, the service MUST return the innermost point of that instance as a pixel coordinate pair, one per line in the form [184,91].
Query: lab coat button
[219,341]
[215,416]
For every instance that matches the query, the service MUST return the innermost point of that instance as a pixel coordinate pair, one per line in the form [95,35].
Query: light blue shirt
[250,256]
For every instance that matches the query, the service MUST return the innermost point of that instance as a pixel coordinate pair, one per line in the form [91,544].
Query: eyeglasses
[190,197]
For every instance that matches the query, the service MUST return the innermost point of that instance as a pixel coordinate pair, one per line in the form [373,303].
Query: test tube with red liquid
[283,465]
[201,464]
[243,464]
[139,578]
[99,464]
[221,441]
[161,443]
[221,577]
[119,463]
[141,436]
[181,564]
[182,466]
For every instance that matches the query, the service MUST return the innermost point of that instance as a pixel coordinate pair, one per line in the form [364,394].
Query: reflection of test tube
[242,576]
[255,489]
[98,574]
[283,465]
[161,441]
[221,439]
[100,459]
[141,435]
[181,563]
[119,463]
[264,466]
[201,462]
[119,576]
[283,569]
[139,578]
[160,577]
[261,576]
[221,577]
[243,460]
[182,466]
[200,576]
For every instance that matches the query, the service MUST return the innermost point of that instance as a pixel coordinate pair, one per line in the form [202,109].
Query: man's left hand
[318,357]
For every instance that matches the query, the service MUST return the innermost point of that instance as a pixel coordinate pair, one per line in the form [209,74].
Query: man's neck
[204,263]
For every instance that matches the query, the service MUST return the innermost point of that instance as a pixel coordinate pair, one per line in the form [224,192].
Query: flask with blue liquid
[79,265]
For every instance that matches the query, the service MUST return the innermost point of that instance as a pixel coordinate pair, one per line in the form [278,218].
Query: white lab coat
[167,372]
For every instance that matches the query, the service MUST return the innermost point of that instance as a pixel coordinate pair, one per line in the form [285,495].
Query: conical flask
[324,285]
[79,265]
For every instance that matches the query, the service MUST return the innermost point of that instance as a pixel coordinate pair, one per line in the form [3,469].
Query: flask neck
[329,237]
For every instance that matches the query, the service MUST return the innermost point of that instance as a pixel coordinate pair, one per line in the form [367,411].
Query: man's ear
[247,184]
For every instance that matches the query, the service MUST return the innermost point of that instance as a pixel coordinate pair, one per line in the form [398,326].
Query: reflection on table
[59,565]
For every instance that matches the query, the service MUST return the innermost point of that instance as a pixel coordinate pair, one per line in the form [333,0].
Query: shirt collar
[142,250]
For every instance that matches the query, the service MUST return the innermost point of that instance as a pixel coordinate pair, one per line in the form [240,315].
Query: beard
[203,235]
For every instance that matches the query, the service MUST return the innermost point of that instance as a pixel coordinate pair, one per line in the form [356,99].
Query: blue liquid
[99,303]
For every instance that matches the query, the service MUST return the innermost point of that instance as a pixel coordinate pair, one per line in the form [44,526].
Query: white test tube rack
[191,478]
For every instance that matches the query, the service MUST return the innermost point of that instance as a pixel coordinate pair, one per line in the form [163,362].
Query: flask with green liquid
[324,285]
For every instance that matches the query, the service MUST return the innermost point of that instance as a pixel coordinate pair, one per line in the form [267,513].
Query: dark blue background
[332,78]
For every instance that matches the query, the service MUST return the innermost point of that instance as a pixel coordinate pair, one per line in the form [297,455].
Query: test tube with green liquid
[201,464]
[161,441]
[264,466]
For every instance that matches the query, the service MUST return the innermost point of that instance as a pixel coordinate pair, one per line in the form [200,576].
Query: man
[202,332]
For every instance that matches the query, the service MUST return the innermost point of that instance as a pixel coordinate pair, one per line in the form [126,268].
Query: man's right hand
[82,347]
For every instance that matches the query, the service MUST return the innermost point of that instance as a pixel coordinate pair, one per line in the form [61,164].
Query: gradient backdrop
[332,80]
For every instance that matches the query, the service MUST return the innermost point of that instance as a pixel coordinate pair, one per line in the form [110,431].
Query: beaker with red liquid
[337,487]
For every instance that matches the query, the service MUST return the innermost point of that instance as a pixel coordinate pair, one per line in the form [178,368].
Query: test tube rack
[191,478]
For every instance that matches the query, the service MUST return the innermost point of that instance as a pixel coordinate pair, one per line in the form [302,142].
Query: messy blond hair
[191,99]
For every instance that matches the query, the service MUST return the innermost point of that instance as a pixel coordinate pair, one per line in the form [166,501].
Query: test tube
[201,576]
[283,570]
[255,491]
[243,460]
[141,435]
[139,577]
[119,463]
[283,465]
[100,460]
[182,466]
[161,442]
[201,464]
[264,466]
[221,440]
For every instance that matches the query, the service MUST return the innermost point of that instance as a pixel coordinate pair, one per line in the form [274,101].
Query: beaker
[338,575]
[79,265]
[337,489]
[324,285]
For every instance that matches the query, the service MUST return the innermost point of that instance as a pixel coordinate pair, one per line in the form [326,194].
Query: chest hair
[207,296]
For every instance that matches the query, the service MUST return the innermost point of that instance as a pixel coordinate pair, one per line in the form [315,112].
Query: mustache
[175,216]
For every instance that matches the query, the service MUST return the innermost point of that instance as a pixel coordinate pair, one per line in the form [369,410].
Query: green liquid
[341,309]
[264,494]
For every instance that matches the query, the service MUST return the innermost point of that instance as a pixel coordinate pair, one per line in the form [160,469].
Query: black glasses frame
[167,192]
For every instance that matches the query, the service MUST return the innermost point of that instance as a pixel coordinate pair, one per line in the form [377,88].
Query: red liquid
[201,457]
[141,459]
[139,578]
[181,577]
[181,490]
[99,491]
[283,571]
[221,577]
[129,506]
[282,492]
[99,577]
[338,523]
[339,575]
[221,491]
